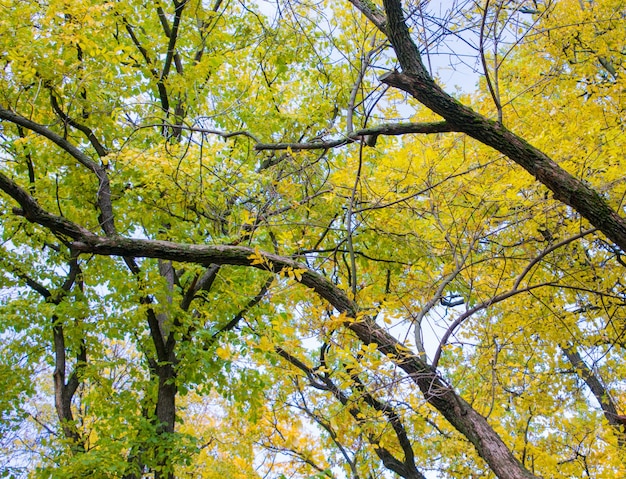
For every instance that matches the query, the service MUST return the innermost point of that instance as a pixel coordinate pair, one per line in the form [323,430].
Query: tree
[234,232]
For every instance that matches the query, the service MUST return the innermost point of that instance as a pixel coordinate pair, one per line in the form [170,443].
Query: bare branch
[547,251]
[479,307]
[483,59]
[223,134]
[365,64]
[597,389]
[391,129]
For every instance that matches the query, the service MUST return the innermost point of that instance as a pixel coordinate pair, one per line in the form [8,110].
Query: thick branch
[597,389]
[31,210]
[416,81]
[223,134]
[173,37]
[566,188]
[396,423]
[457,411]
[63,391]
[391,129]
[372,12]
[400,37]
[200,283]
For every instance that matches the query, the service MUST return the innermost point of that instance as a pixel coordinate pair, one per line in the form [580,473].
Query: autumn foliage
[290,239]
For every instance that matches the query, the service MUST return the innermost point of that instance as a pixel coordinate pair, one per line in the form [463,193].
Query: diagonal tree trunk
[416,81]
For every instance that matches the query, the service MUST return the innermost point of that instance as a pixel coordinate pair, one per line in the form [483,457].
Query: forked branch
[436,391]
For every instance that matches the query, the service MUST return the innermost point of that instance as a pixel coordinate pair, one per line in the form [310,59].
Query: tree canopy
[271,239]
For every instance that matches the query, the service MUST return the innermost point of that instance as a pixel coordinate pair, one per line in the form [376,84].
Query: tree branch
[566,188]
[239,316]
[396,423]
[372,12]
[200,283]
[391,129]
[165,104]
[406,468]
[597,389]
[101,150]
[104,187]
[173,37]
[479,307]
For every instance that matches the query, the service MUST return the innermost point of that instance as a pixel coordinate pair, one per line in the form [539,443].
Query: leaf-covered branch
[460,414]
[442,224]
[597,389]
[404,468]
[88,132]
